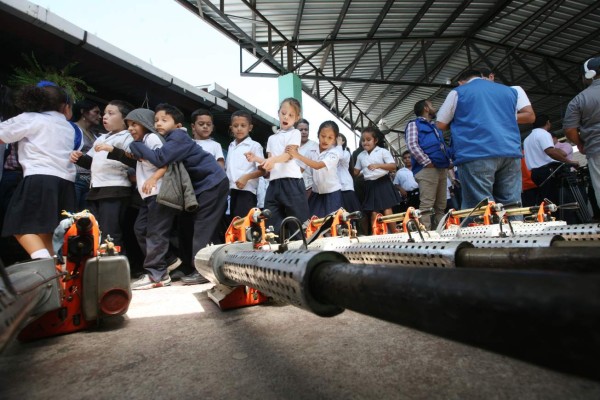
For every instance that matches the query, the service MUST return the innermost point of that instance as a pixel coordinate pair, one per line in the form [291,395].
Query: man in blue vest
[429,159]
[482,117]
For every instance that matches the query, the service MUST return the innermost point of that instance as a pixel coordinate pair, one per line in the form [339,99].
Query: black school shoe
[194,279]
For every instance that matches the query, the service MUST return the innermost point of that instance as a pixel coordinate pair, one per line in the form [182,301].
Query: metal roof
[372,60]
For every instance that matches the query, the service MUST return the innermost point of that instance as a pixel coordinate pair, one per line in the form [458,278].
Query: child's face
[136,130]
[326,138]
[368,142]
[164,123]
[287,116]
[202,127]
[113,119]
[240,128]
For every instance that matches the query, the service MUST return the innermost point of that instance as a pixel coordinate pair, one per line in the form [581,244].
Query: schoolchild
[375,163]
[45,140]
[326,196]
[208,178]
[306,146]
[285,195]
[202,127]
[154,221]
[110,190]
[243,175]
[349,199]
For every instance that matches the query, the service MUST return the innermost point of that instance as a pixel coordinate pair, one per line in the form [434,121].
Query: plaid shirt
[412,143]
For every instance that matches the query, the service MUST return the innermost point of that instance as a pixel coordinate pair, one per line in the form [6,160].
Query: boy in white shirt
[202,127]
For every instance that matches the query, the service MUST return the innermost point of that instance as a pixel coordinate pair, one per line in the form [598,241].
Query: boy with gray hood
[153,224]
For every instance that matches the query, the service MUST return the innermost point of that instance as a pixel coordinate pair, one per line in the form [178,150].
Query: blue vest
[485,123]
[431,140]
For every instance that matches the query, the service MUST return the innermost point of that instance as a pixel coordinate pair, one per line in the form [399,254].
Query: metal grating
[372,60]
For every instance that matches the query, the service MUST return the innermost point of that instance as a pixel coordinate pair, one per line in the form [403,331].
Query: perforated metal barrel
[284,277]
[575,232]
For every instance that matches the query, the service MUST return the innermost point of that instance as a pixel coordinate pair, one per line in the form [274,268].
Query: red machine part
[91,289]
[242,296]
[339,219]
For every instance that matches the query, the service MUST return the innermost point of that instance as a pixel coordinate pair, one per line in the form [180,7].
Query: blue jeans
[498,179]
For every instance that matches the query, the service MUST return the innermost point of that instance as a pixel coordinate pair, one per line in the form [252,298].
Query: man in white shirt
[543,159]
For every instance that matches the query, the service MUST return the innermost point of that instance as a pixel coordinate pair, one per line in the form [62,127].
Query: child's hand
[373,167]
[149,185]
[104,147]
[268,164]
[75,155]
[250,156]
[292,151]
[241,183]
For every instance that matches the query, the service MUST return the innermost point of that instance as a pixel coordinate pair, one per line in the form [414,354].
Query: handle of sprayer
[352,215]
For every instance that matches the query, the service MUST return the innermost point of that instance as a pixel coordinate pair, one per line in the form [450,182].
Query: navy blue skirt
[322,204]
[380,194]
[37,203]
[350,201]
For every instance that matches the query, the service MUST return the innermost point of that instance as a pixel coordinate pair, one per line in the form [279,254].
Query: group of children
[141,144]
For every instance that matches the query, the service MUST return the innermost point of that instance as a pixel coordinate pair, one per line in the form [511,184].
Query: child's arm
[121,155]
[151,182]
[293,151]
[243,180]
[221,162]
[391,167]
[173,150]
[251,157]
[83,160]
[356,172]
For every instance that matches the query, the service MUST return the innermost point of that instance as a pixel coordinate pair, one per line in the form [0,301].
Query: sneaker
[146,283]
[174,264]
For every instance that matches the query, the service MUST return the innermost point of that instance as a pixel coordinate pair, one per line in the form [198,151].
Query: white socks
[42,253]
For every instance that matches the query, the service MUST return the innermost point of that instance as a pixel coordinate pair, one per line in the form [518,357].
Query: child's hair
[243,114]
[332,125]
[45,96]
[376,133]
[123,106]
[294,103]
[85,105]
[301,121]
[345,141]
[173,111]
[405,152]
[199,112]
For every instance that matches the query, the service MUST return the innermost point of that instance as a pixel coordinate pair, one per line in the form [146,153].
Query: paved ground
[175,343]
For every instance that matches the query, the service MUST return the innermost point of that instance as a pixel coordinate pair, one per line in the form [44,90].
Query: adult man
[582,121]
[485,138]
[429,158]
[543,159]
[306,145]
[405,183]
[525,114]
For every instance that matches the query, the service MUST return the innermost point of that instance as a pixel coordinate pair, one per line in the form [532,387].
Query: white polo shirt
[107,172]
[343,169]
[276,146]
[212,147]
[304,149]
[325,180]
[405,179]
[144,169]
[236,164]
[534,145]
[378,155]
[45,142]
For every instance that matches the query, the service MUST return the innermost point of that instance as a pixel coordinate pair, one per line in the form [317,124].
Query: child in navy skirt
[375,164]
[285,195]
[45,140]
[326,196]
